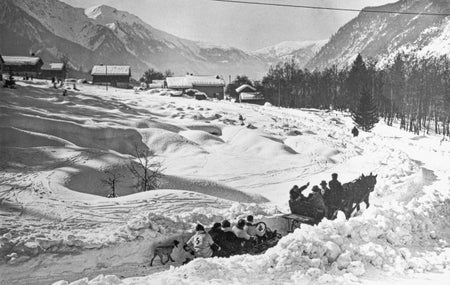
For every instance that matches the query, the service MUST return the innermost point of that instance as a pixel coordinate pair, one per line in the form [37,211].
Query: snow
[21,60]
[288,47]
[111,70]
[57,221]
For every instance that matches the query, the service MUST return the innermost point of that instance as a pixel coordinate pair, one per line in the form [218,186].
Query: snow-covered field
[56,223]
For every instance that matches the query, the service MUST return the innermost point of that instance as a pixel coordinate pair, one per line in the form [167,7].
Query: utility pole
[279,94]
[106,72]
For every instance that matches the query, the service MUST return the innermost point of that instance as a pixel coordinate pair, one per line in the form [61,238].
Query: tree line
[411,90]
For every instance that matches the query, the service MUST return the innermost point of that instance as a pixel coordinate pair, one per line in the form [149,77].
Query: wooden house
[248,94]
[22,65]
[114,75]
[53,70]
[212,86]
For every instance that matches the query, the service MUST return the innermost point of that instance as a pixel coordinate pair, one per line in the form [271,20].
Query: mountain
[102,34]
[300,51]
[382,35]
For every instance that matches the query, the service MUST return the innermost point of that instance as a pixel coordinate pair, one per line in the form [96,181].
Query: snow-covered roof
[245,86]
[111,70]
[53,66]
[156,85]
[21,60]
[178,82]
[251,96]
[191,81]
[206,80]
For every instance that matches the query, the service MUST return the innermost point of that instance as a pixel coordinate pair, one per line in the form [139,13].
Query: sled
[268,240]
[295,221]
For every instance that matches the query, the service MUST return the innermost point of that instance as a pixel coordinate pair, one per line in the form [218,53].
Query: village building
[29,66]
[53,70]
[212,86]
[113,75]
[156,83]
[249,94]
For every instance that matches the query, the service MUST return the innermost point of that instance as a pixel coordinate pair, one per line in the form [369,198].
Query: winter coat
[229,235]
[336,192]
[231,243]
[201,242]
[318,204]
[217,235]
[241,233]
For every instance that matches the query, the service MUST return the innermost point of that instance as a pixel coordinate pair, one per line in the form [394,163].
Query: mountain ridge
[382,36]
[299,51]
[111,36]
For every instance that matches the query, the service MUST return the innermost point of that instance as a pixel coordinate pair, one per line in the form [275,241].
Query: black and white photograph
[266,142]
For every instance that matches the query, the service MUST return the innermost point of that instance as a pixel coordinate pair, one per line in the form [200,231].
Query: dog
[164,250]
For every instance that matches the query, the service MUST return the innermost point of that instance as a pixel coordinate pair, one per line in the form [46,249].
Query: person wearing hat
[296,192]
[201,242]
[327,198]
[336,193]
[324,187]
[317,202]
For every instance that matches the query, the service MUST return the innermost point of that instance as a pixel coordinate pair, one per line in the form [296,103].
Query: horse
[356,192]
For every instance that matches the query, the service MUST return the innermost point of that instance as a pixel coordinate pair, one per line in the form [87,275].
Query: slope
[382,36]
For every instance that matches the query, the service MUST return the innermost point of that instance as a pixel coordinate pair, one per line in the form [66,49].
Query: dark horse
[356,192]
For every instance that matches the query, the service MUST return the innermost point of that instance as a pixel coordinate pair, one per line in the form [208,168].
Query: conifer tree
[356,81]
[366,115]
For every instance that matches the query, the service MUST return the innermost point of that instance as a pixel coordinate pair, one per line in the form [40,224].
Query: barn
[248,94]
[212,86]
[114,75]
[178,83]
[22,65]
[53,70]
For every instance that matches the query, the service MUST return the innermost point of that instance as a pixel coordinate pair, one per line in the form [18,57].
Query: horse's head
[369,181]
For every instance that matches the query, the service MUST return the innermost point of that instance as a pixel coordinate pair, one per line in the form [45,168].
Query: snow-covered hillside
[300,51]
[57,222]
[382,36]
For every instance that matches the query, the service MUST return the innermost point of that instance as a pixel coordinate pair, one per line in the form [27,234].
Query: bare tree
[113,177]
[146,170]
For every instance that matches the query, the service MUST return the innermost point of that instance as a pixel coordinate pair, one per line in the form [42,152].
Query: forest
[411,91]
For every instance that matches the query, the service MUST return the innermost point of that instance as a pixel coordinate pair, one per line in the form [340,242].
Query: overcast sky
[248,27]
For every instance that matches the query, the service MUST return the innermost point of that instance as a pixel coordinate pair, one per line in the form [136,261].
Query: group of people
[324,201]
[224,240]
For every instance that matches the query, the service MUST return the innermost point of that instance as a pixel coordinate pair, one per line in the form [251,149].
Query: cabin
[113,75]
[178,83]
[22,65]
[157,84]
[53,70]
[249,94]
[212,86]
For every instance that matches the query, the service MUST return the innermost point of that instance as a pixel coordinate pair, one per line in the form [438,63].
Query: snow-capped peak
[105,15]
[287,47]
[96,11]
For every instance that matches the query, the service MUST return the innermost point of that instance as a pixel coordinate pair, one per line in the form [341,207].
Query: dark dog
[164,250]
